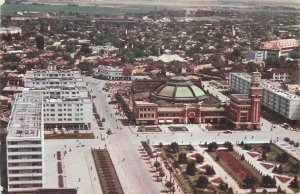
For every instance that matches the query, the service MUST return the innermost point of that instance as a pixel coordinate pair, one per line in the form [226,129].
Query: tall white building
[276,99]
[66,102]
[25,144]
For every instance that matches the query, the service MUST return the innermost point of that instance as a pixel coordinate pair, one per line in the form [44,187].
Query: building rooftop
[179,90]
[286,94]
[268,85]
[26,117]
[279,44]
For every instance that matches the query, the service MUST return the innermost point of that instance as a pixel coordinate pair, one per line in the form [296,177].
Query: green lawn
[149,129]
[271,157]
[70,136]
[175,129]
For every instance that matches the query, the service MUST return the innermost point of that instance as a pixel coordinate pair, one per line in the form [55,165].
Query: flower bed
[236,168]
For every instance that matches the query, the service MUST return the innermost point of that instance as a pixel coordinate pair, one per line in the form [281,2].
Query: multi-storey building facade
[244,110]
[66,100]
[25,144]
[276,99]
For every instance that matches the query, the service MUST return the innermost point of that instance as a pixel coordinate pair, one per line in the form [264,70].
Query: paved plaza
[124,143]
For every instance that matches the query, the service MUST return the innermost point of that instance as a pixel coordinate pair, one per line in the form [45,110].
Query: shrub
[160,145]
[291,142]
[296,144]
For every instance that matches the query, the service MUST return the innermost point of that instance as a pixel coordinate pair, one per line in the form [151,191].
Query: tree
[242,157]
[211,147]
[294,183]
[295,168]
[266,147]
[156,165]
[162,174]
[199,158]
[182,159]
[218,158]
[175,147]
[190,147]
[249,181]
[268,181]
[202,182]
[263,156]
[223,186]
[279,190]
[282,158]
[11,58]
[252,67]
[209,170]
[230,190]
[228,145]
[40,41]
[169,185]
[191,168]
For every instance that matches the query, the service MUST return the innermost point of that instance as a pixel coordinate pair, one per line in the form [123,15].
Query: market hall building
[177,101]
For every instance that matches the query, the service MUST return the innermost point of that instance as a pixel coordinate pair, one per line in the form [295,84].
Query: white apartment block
[110,73]
[25,144]
[284,76]
[276,99]
[66,100]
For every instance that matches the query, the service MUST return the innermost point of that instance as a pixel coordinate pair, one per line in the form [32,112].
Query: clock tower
[255,95]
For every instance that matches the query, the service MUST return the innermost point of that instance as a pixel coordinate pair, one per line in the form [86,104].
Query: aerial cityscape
[149,97]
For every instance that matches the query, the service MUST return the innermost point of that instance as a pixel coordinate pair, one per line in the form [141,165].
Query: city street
[123,145]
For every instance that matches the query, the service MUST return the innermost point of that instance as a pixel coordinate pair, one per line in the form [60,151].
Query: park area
[191,171]
[176,129]
[148,129]
[271,153]
[74,135]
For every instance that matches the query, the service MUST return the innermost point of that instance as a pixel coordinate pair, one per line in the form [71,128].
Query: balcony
[23,182]
[25,175]
[24,160]
[24,167]
[24,153]
[25,146]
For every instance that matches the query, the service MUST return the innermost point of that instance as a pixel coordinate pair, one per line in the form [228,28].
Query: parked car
[103,119]
[227,131]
